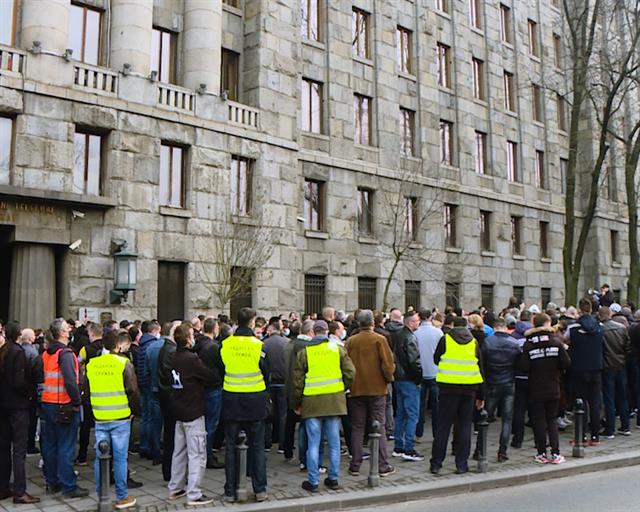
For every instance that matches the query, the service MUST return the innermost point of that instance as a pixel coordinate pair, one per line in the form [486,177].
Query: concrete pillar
[32,293]
[131,26]
[202,43]
[46,21]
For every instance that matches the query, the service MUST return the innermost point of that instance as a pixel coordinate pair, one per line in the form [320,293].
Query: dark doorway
[5,271]
[241,283]
[171,290]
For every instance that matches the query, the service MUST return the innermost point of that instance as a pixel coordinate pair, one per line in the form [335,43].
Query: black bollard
[104,503]
[374,459]
[578,424]
[483,430]
[241,490]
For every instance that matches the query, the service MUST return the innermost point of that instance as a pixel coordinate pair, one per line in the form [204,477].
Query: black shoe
[132,484]
[434,470]
[214,463]
[516,444]
[476,455]
[308,486]
[502,457]
[202,500]
[462,471]
[156,462]
[53,489]
[331,484]
[78,492]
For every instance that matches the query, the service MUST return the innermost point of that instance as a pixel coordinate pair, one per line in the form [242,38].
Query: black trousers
[290,433]
[33,425]
[520,406]
[85,432]
[588,386]
[14,430]
[168,434]
[543,418]
[275,427]
[455,410]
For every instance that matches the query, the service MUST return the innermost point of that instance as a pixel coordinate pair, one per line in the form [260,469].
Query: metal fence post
[374,447]
[104,503]
[241,490]
[483,430]
[578,424]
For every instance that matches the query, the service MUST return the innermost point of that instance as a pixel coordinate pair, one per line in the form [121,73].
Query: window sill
[453,250]
[519,257]
[546,260]
[407,76]
[362,60]
[477,30]
[415,245]
[507,45]
[315,135]
[444,15]
[487,254]
[367,239]
[410,158]
[511,113]
[616,264]
[314,44]
[478,101]
[534,58]
[539,124]
[245,220]
[563,132]
[232,10]
[449,167]
[443,88]
[367,148]
[171,211]
[320,235]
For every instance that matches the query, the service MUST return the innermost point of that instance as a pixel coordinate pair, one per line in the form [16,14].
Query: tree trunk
[631,163]
[385,295]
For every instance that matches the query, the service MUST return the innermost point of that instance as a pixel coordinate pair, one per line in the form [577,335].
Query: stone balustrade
[176,98]
[243,115]
[95,79]
[11,60]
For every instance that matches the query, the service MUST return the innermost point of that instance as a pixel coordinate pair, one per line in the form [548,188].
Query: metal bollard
[241,490]
[374,447]
[104,503]
[578,425]
[483,430]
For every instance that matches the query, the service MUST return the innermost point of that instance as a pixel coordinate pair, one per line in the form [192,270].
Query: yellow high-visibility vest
[241,357]
[324,375]
[459,364]
[109,400]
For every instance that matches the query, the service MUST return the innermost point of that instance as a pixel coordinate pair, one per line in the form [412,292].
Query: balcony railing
[95,79]
[176,98]
[243,115]
[11,60]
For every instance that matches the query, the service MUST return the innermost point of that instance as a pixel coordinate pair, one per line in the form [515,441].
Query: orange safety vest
[54,391]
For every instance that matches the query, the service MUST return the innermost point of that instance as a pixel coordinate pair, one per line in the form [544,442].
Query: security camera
[77,215]
[75,244]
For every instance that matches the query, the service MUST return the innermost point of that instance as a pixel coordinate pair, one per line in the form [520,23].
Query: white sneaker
[556,458]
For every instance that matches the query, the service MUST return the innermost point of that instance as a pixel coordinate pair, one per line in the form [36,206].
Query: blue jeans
[146,420]
[315,427]
[430,387]
[501,397]
[303,445]
[256,460]
[117,433]
[614,390]
[408,403]
[155,427]
[58,448]
[211,417]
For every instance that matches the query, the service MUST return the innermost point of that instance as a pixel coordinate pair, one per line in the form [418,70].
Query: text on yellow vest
[241,357]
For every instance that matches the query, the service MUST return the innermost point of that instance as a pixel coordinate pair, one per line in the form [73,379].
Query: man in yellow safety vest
[112,390]
[460,379]
[322,373]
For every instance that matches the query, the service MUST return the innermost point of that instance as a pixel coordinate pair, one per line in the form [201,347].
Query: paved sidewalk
[412,480]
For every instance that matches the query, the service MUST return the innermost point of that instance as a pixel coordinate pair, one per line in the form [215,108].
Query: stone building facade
[144,81]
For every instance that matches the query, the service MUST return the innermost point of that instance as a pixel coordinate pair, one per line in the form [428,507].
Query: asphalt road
[615,490]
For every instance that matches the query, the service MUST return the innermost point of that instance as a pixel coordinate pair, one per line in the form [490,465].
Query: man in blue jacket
[152,333]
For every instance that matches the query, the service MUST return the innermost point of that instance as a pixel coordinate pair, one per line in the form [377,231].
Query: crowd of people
[179,393]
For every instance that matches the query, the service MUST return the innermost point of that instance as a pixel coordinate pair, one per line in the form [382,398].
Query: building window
[615,255]
[563,175]
[512,161]
[536,97]
[485,231]
[486,296]
[518,293]
[541,179]
[360,33]
[310,19]
[311,106]
[509,92]
[446,142]
[561,111]
[450,225]
[241,185]
[8,22]
[163,49]
[407,129]
[313,205]
[84,33]
[404,49]
[6,145]
[443,54]
[475,19]
[241,282]
[533,38]
[516,236]
[412,294]
[480,152]
[612,183]
[367,293]
[478,79]
[171,290]
[410,222]
[171,175]
[362,108]
[505,24]
[545,297]
[557,51]
[232,3]
[230,74]
[441,5]
[365,211]
[87,163]
[452,295]
[544,239]
[314,289]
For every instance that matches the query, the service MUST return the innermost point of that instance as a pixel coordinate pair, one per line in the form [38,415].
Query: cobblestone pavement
[285,478]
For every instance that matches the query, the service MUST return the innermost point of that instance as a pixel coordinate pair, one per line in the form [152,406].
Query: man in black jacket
[273,347]
[165,364]
[190,378]
[15,400]
[408,376]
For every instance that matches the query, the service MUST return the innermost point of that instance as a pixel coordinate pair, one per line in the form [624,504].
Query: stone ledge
[52,196]
[321,235]
[175,212]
